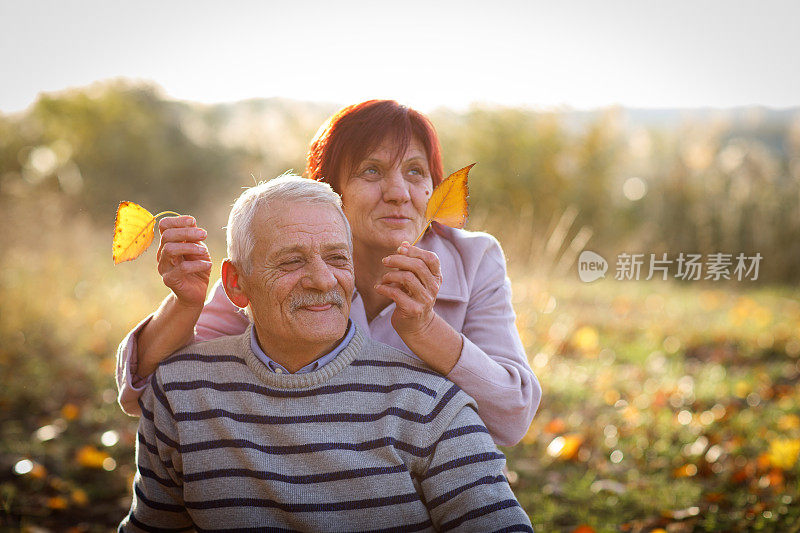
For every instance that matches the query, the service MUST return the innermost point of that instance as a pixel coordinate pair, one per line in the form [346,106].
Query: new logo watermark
[690,267]
[591,266]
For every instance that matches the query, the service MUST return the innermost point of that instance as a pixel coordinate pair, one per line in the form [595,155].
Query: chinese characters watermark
[688,267]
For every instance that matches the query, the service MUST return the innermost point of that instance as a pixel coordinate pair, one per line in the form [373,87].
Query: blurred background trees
[700,181]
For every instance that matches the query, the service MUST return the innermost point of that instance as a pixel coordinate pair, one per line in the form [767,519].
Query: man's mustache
[306,299]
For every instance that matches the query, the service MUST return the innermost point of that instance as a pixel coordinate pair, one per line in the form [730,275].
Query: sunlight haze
[579,54]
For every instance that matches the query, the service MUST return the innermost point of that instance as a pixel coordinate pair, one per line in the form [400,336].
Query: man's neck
[295,356]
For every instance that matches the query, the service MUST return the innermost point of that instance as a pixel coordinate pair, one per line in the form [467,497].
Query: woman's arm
[218,317]
[493,367]
[185,266]
[486,358]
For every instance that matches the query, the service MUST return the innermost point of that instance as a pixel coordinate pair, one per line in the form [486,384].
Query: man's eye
[338,259]
[291,263]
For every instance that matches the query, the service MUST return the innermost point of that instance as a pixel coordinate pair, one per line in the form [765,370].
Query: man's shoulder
[396,366]
[202,358]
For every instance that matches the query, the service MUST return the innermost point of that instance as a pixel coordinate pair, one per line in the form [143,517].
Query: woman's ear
[231,280]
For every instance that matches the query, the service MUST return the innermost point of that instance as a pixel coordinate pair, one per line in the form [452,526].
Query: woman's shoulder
[469,247]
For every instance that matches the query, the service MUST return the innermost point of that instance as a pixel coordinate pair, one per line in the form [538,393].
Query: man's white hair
[281,190]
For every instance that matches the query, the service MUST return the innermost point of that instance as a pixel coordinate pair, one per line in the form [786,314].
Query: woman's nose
[395,188]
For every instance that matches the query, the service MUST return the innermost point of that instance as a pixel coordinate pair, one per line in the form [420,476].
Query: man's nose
[395,187]
[319,276]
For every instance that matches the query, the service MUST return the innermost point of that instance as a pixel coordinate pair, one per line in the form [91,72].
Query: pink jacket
[474,298]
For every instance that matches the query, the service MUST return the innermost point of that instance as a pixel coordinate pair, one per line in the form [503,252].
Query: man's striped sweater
[372,441]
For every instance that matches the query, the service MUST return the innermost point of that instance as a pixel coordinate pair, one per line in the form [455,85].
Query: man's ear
[231,280]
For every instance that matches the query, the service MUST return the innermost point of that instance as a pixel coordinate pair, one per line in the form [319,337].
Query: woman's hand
[183,259]
[185,266]
[412,283]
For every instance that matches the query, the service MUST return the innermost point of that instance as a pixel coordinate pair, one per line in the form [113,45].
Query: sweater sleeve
[463,484]
[219,317]
[493,367]
[158,484]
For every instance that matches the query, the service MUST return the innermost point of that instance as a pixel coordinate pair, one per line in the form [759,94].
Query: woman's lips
[396,220]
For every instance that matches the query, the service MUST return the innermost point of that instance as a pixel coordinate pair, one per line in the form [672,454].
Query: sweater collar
[299,381]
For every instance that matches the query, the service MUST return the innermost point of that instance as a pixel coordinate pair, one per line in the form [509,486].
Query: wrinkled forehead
[300,224]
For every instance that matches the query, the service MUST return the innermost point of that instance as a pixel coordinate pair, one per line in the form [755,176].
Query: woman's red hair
[350,135]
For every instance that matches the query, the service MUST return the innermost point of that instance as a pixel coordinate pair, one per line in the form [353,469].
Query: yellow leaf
[38,471]
[586,339]
[783,453]
[70,411]
[448,202]
[79,497]
[133,231]
[57,502]
[565,447]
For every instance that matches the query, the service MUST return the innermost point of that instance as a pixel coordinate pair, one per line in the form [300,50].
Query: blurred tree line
[548,184]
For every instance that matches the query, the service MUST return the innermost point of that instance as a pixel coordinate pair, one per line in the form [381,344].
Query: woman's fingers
[409,284]
[429,258]
[407,306]
[174,253]
[183,235]
[422,263]
[178,229]
[183,221]
[417,267]
[177,278]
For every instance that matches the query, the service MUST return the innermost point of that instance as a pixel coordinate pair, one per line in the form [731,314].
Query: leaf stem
[161,214]
[422,233]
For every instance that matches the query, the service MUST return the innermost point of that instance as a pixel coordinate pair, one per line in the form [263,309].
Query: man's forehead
[299,224]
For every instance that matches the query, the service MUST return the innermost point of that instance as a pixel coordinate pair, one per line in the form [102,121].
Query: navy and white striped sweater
[372,441]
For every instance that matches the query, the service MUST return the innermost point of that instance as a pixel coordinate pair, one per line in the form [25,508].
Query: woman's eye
[416,173]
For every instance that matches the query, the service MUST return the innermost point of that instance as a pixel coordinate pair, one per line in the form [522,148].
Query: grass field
[665,407]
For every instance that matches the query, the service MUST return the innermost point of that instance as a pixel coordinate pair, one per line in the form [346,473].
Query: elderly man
[303,422]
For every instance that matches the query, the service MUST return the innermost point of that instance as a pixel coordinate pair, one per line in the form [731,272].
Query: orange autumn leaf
[565,447]
[38,471]
[583,528]
[57,502]
[79,497]
[448,202]
[133,231]
[687,470]
[91,457]
[70,411]
[556,425]
[783,453]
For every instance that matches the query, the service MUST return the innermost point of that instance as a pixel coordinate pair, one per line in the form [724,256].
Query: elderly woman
[447,300]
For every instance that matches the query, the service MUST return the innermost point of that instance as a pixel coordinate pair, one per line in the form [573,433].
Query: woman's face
[385,202]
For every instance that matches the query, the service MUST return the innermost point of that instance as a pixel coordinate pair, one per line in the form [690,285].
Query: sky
[579,54]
